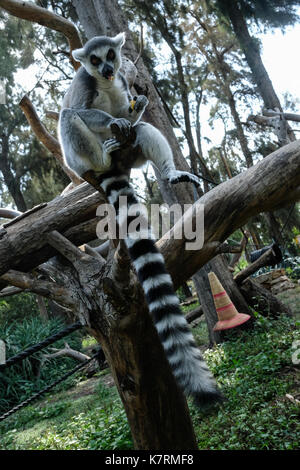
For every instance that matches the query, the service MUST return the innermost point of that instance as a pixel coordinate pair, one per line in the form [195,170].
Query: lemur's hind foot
[183,177]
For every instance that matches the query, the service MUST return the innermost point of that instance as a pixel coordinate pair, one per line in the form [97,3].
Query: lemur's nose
[107,71]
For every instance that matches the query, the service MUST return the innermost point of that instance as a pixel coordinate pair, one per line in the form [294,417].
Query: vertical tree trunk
[239,129]
[186,290]
[12,184]
[198,134]
[252,54]
[251,50]
[204,293]
[42,308]
[274,227]
[156,409]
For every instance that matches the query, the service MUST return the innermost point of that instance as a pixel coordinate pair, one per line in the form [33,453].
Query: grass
[254,369]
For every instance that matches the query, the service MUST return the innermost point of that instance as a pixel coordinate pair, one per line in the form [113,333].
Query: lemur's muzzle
[108,72]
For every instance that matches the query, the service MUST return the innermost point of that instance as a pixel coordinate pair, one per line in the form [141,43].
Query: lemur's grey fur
[99,95]
[87,135]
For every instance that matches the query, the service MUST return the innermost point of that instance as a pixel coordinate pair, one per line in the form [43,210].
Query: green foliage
[242,264]
[96,422]
[88,341]
[255,371]
[292,266]
[180,294]
[17,307]
[26,378]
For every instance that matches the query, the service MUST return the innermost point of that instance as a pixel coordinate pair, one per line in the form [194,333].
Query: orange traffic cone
[228,315]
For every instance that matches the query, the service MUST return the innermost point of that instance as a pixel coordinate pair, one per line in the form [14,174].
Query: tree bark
[203,288]
[42,308]
[262,300]
[194,314]
[274,228]
[264,260]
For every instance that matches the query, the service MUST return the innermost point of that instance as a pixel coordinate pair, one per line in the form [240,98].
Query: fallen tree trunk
[268,185]
[262,300]
[193,314]
[268,258]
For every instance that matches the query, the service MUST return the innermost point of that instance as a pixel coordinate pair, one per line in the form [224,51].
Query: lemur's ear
[78,54]
[119,40]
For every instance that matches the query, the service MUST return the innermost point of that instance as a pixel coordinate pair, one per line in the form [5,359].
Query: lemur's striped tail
[182,353]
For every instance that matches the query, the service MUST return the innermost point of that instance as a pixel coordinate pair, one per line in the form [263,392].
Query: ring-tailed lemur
[98,97]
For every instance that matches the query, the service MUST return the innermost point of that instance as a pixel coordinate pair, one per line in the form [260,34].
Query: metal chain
[46,389]
[38,346]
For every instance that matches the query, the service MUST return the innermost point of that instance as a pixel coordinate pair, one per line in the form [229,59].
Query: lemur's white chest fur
[112,99]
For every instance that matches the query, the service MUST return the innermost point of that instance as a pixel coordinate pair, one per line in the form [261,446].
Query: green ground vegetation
[256,369]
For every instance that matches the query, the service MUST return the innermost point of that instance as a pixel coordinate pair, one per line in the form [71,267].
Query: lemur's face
[101,56]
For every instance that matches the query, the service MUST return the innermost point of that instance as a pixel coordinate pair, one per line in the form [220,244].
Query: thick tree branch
[44,288]
[268,185]
[85,264]
[47,139]
[269,257]
[63,214]
[65,247]
[31,12]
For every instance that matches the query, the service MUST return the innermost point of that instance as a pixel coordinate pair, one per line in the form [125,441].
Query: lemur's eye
[111,55]
[95,60]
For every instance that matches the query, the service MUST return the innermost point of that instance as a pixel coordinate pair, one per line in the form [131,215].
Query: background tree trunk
[11,182]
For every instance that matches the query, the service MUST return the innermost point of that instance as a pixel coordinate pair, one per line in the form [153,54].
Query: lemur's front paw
[110,145]
[121,128]
[140,103]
